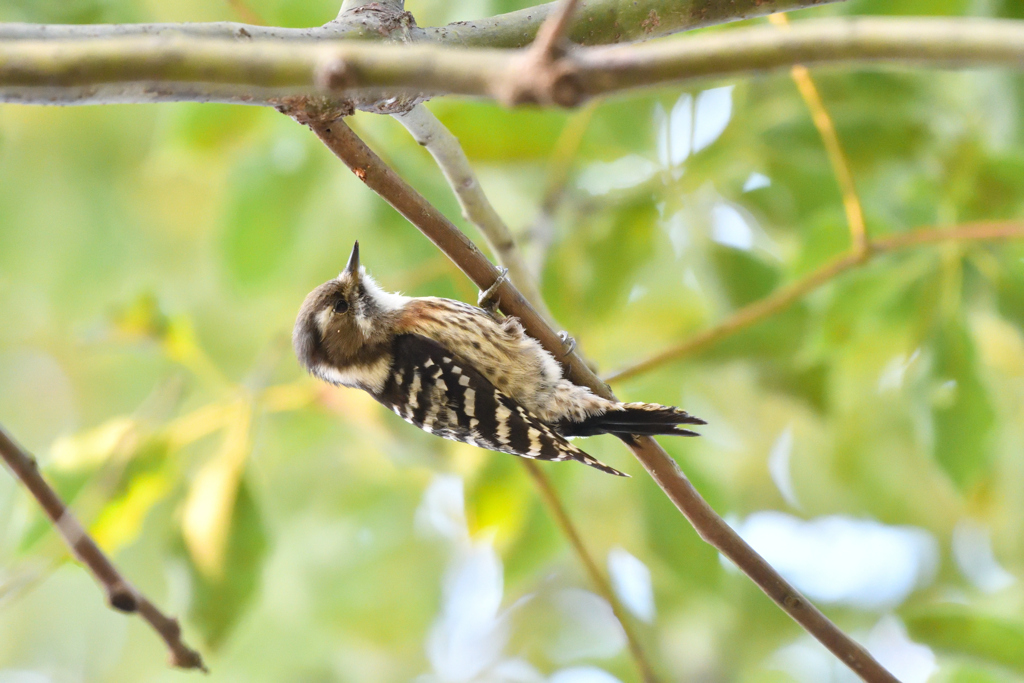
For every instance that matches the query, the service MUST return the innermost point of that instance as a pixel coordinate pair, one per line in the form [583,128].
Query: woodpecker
[457,371]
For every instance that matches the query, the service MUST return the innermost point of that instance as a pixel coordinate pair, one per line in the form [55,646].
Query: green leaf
[962,413]
[599,261]
[1010,284]
[213,127]
[956,629]
[672,539]
[745,277]
[490,132]
[266,197]
[217,604]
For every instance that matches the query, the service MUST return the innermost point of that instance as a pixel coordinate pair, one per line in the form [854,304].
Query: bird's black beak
[353,263]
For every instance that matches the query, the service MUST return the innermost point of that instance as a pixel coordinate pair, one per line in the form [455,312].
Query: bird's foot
[568,342]
[488,299]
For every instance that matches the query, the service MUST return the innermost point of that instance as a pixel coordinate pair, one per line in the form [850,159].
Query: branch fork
[545,72]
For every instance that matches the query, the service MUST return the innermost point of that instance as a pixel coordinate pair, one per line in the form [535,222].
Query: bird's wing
[434,389]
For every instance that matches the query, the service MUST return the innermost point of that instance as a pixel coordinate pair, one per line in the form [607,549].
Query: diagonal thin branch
[594,573]
[836,156]
[368,167]
[121,595]
[428,131]
[784,297]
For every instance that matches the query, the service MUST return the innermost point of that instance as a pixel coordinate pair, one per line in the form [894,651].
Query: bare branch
[121,595]
[166,68]
[368,167]
[786,296]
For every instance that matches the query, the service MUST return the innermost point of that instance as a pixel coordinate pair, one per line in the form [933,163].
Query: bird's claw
[567,341]
[488,299]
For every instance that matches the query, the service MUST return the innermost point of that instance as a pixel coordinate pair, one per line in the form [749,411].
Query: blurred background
[868,440]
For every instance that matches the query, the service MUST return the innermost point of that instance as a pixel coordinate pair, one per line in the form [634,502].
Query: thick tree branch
[786,296]
[597,22]
[121,595]
[164,68]
[369,168]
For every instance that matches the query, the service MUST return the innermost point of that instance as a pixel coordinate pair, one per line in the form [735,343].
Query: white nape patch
[323,320]
[369,377]
[470,403]
[502,414]
[386,301]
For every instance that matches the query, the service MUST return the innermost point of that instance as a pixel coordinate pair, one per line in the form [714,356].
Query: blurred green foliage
[152,260]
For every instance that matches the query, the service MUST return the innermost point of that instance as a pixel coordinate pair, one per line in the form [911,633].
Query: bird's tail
[639,419]
[588,459]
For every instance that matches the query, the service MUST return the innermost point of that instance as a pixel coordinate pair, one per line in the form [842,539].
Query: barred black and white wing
[435,390]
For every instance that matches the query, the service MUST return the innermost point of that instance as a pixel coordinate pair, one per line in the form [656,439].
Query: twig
[175,68]
[552,33]
[836,156]
[540,74]
[594,573]
[121,595]
[340,139]
[784,297]
[428,131]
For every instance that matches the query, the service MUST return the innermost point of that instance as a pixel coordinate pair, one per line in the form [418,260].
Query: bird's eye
[340,306]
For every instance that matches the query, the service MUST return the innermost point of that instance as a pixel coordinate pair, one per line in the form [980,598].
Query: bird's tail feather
[641,419]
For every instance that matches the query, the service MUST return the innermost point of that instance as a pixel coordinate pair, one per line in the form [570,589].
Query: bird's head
[344,322]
